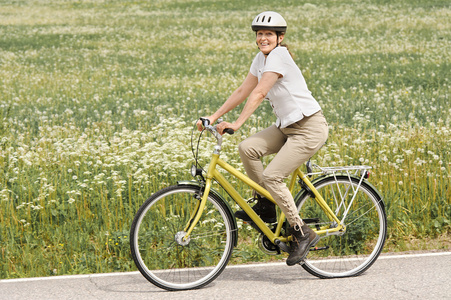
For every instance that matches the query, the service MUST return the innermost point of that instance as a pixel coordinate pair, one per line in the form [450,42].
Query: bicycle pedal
[319,248]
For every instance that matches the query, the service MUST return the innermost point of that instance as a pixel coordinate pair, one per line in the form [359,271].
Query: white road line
[229,267]
[414,255]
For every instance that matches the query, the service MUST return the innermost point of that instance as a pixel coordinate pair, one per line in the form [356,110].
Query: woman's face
[267,40]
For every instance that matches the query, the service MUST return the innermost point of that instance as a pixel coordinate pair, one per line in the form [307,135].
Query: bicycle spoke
[197,236]
[362,215]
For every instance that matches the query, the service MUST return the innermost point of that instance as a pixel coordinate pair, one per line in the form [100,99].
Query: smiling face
[267,40]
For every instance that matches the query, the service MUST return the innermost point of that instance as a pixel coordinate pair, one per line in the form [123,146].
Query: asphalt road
[414,276]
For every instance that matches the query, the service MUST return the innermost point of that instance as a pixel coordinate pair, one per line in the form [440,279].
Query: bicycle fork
[197,212]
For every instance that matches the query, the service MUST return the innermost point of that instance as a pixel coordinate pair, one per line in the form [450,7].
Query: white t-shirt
[290,98]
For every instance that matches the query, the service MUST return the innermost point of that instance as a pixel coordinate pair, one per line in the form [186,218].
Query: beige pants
[294,146]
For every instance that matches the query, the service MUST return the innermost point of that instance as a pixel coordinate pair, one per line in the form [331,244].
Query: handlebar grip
[229,131]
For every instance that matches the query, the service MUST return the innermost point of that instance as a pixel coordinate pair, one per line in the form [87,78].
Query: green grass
[97,100]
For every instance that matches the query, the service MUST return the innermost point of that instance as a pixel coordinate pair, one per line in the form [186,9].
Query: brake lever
[205,121]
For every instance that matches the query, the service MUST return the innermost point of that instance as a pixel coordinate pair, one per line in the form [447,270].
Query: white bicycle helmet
[269,20]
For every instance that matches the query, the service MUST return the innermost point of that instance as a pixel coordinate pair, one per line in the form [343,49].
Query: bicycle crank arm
[284,247]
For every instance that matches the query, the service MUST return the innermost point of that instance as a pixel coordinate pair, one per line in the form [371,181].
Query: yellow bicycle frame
[213,174]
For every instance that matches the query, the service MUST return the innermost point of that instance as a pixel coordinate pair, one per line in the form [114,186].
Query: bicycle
[183,236]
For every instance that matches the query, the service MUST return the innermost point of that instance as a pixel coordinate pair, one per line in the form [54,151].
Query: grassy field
[98,98]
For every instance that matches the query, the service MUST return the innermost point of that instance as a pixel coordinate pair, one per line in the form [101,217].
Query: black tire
[353,252]
[159,251]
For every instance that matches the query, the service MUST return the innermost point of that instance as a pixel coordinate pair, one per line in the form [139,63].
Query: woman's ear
[281,36]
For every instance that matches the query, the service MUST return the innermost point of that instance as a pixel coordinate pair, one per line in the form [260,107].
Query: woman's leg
[265,142]
[305,138]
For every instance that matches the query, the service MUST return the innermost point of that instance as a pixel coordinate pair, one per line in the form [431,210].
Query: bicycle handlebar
[206,124]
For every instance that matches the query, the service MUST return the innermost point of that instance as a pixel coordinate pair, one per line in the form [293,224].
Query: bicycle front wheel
[352,252]
[157,242]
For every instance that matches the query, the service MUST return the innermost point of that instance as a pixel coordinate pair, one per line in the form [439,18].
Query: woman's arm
[237,97]
[255,99]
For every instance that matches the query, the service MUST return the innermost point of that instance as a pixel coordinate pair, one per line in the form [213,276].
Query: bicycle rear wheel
[162,255]
[352,252]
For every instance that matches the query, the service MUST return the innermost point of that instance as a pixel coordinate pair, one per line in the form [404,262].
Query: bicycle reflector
[365,174]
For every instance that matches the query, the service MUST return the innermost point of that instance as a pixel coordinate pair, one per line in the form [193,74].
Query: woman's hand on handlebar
[221,127]
[199,124]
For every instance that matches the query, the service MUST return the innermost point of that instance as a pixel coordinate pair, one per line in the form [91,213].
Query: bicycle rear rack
[348,170]
[359,172]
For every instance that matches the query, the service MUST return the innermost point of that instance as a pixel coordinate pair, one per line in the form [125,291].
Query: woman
[300,129]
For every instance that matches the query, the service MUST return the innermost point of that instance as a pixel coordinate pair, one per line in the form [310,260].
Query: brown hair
[285,45]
